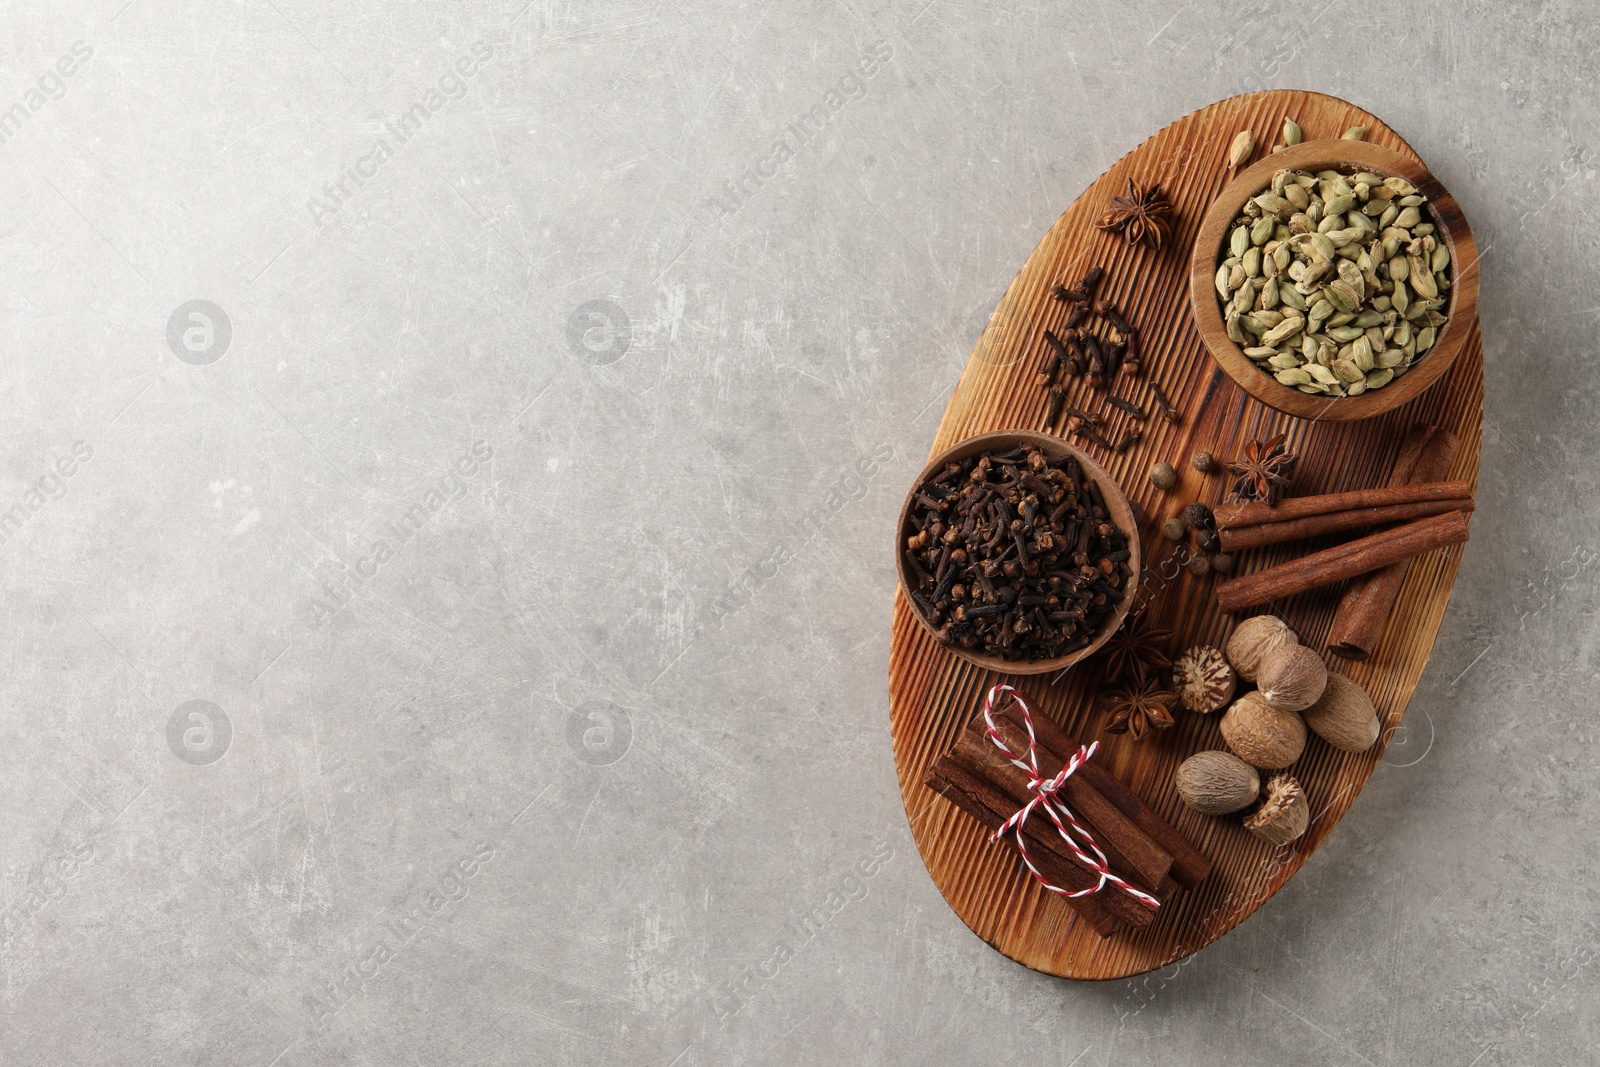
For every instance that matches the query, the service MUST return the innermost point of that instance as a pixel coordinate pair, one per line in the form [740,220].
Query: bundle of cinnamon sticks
[1420,514]
[1139,845]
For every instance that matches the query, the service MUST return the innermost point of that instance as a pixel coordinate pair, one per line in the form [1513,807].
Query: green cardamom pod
[1350,274]
[1283,331]
[1271,203]
[1238,241]
[1421,279]
[1347,371]
[1244,142]
[1342,296]
[1361,354]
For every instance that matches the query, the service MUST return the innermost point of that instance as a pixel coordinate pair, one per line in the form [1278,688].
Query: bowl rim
[1451,226]
[1116,502]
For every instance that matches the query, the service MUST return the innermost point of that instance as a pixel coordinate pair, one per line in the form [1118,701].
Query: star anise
[1136,652]
[1142,706]
[1142,215]
[1263,469]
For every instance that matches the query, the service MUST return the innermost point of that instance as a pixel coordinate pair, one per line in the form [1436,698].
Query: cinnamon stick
[1039,832]
[977,799]
[1367,603]
[1129,852]
[1273,533]
[1332,565]
[1189,865]
[1254,512]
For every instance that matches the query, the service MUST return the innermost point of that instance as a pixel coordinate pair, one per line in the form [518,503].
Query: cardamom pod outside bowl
[1461,308]
[1116,503]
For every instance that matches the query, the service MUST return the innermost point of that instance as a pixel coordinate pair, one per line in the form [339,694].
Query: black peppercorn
[1198,516]
[1204,462]
[1222,563]
[1207,541]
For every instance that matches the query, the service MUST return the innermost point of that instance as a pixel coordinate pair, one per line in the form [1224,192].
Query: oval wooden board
[932,694]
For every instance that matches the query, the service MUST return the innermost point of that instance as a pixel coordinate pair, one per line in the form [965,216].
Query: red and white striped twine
[1046,797]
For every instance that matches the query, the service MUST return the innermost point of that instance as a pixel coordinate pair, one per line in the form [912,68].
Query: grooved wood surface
[933,694]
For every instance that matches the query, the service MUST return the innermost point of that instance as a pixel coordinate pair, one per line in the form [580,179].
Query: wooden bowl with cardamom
[1460,310]
[1054,448]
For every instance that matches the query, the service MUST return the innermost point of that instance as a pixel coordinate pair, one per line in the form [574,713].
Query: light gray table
[514,505]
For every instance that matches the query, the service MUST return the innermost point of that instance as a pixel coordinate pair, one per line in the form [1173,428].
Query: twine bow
[1046,797]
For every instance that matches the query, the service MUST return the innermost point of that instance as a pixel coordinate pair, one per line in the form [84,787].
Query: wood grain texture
[933,693]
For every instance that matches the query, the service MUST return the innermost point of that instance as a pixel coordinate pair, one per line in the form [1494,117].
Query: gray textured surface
[553,772]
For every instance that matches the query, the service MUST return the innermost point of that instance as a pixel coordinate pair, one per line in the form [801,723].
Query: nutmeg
[1344,716]
[1284,815]
[1291,679]
[1261,734]
[1254,639]
[1216,783]
[1203,679]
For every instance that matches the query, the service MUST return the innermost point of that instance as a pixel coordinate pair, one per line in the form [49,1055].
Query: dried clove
[1126,406]
[1108,311]
[1085,417]
[1089,434]
[1084,290]
[1018,559]
[1168,412]
[1052,407]
[1133,362]
[1052,363]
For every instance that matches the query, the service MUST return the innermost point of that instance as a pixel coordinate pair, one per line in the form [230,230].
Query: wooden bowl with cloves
[1334,280]
[1017,552]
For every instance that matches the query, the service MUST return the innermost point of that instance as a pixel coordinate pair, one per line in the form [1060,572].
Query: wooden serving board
[933,694]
